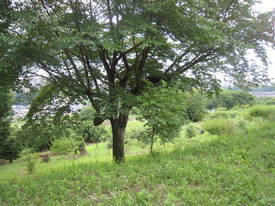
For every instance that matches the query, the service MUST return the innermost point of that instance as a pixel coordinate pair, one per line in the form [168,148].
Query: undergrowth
[227,170]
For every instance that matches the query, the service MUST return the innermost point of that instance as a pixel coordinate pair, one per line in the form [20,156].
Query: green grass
[204,170]
[219,126]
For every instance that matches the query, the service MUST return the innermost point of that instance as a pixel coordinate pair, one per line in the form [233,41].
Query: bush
[268,101]
[190,131]
[140,135]
[11,149]
[45,158]
[30,159]
[40,131]
[260,111]
[65,146]
[39,134]
[195,106]
[223,115]
[219,126]
[242,124]
[230,99]
[94,134]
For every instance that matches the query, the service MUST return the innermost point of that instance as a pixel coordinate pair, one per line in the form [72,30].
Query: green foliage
[223,114]
[269,101]
[30,159]
[45,95]
[262,111]
[195,106]
[190,131]
[161,110]
[65,146]
[206,170]
[242,124]
[140,134]
[10,149]
[24,98]
[219,126]
[109,56]
[84,127]
[41,131]
[230,99]
[8,145]
[45,158]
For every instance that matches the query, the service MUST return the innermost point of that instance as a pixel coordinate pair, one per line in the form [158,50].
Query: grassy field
[235,169]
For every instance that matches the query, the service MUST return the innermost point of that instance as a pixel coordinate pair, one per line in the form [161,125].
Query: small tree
[30,159]
[161,110]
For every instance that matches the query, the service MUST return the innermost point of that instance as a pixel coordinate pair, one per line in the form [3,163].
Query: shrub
[11,149]
[222,115]
[260,111]
[40,131]
[242,124]
[190,131]
[269,101]
[30,159]
[230,99]
[45,158]
[219,126]
[65,146]
[195,106]
[140,135]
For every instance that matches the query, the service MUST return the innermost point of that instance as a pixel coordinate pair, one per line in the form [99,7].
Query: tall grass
[263,111]
[219,126]
[227,170]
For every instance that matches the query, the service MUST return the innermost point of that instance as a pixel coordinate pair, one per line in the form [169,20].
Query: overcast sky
[269,5]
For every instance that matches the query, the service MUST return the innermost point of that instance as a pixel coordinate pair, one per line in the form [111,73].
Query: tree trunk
[118,129]
[151,146]
[152,140]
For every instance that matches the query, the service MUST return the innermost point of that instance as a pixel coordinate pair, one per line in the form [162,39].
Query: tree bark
[152,140]
[118,129]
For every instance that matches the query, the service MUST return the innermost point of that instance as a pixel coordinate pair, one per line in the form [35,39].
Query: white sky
[269,5]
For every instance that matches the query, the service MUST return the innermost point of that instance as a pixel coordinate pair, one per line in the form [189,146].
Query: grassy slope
[228,170]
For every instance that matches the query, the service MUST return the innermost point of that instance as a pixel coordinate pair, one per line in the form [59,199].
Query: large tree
[107,51]
[5,93]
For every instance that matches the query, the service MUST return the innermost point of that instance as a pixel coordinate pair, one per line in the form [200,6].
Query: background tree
[195,103]
[231,98]
[105,50]
[8,144]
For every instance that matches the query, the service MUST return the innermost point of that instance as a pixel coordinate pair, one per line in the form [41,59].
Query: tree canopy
[107,51]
